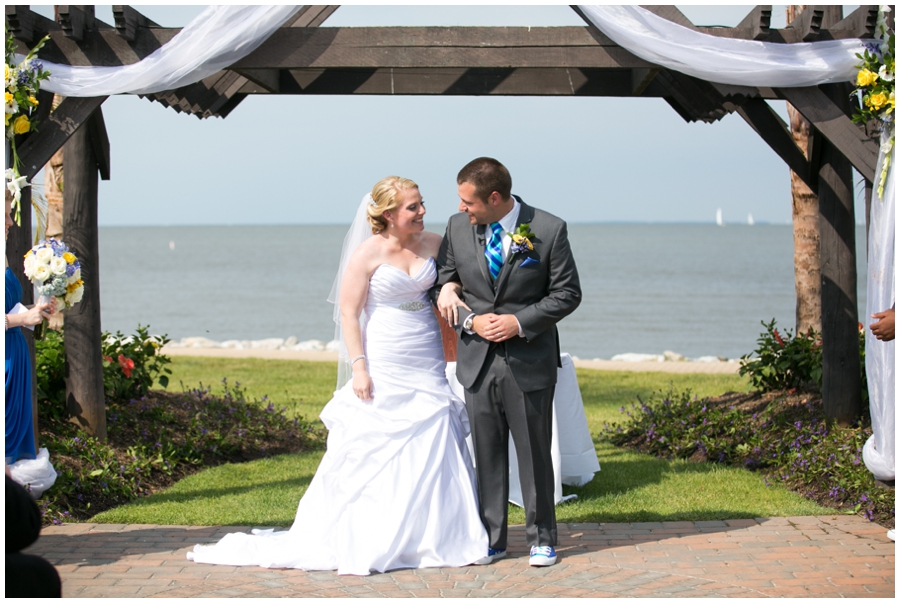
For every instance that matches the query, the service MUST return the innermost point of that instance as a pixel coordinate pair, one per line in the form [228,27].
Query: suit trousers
[496,408]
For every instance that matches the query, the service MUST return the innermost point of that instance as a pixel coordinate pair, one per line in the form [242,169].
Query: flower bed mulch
[784,435]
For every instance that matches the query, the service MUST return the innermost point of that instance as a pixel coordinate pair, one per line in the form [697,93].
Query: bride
[396,488]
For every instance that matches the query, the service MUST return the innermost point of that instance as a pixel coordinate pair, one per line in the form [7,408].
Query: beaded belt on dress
[412,306]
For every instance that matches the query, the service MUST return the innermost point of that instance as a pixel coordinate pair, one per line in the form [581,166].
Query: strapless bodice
[392,287]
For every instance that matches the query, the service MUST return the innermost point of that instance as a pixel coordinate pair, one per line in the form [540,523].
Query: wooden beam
[26,25]
[99,142]
[457,81]
[128,20]
[327,47]
[85,400]
[808,23]
[59,126]
[75,20]
[669,13]
[772,129]
[640,79]
[837,245]
[828,118]
[312,15]
[757,23]
[858,24]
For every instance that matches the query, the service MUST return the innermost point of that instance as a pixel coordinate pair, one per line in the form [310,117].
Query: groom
[518,287]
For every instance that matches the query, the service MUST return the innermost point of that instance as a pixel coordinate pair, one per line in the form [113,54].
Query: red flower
[861,327]
[127,364]
[778,338]
[107,358]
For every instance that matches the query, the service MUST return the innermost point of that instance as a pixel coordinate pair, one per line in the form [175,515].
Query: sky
[310,159]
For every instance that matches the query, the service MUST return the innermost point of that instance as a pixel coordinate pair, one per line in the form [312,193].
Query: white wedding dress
[396,488]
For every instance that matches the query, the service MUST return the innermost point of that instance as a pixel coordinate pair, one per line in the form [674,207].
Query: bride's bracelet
[362,356]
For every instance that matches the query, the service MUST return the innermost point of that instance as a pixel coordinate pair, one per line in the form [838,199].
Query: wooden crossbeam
[26,25]
[772,129]
[59,126]
[128,21]
[312,15]
[757,22]
[836,126]
[808,23]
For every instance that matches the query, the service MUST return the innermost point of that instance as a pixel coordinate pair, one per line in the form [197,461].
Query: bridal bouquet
[55,272]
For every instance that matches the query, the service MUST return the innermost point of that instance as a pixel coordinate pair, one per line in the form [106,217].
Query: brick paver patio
[830,556]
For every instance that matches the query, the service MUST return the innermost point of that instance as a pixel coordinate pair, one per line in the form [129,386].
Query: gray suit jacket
[539,287]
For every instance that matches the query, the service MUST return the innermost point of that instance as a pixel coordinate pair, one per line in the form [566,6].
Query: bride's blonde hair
[386,197]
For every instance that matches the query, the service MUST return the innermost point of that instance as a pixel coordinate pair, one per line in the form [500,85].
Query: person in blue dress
[19,422]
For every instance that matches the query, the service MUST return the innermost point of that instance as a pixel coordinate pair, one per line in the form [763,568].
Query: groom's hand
[496,327]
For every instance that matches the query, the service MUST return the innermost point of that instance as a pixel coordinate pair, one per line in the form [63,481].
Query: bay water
[695,289]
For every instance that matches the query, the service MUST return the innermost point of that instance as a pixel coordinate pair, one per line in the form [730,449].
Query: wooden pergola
[302,58]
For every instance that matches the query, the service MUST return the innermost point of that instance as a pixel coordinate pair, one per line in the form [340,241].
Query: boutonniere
[521,241]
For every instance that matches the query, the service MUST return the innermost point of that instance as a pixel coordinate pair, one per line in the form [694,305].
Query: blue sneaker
[542,556]
[493,555]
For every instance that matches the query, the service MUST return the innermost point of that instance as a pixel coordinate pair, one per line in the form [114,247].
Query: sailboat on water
[719,221]
[750,221]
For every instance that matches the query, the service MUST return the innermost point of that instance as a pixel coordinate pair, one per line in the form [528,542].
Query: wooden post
[84,367]
[841,384]
[17,246]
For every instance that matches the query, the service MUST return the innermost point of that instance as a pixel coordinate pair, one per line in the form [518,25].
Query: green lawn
[629,487]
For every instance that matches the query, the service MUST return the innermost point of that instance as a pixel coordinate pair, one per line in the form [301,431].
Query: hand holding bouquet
[55,272]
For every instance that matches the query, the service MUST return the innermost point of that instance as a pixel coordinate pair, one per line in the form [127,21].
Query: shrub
[154,440]
[132,364]
[784,361]
[790,440]
[50,370]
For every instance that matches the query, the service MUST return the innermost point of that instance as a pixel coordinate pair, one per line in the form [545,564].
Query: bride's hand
[362,385]
[449,302]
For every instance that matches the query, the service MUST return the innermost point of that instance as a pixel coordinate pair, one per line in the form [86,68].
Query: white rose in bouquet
[74,297]
[41,272]
[29,265]
[44,255]
[74,278]
[58,265]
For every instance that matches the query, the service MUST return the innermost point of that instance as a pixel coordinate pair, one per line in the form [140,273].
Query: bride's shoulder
[368,254]
[431,242]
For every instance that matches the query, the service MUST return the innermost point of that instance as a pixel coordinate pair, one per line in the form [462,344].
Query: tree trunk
[805,218]
[84,369]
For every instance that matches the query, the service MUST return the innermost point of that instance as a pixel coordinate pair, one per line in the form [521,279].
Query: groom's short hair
[487,175]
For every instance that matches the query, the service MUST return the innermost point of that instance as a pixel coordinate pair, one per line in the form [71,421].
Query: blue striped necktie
[494,250]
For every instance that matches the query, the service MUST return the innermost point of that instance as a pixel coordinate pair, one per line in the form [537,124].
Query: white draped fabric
[878,452]
[725,60]
[215,39]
